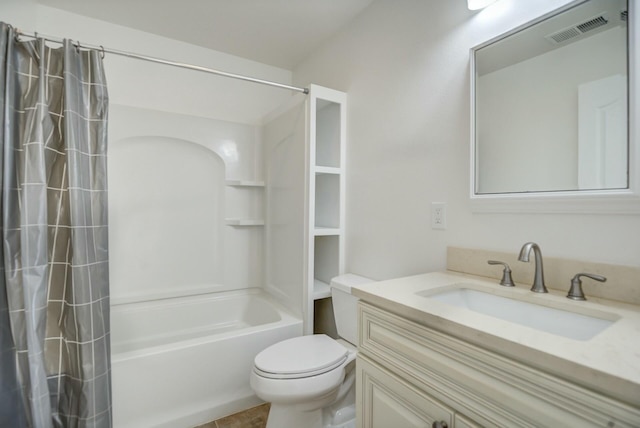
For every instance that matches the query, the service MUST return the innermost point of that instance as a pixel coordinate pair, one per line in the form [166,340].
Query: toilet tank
[345,305]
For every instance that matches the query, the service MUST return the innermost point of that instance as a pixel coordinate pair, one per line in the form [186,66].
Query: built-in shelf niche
[244,183]
[326,262]
[327,210]
[245,203]
[328,131]
[244,222]
[321,290]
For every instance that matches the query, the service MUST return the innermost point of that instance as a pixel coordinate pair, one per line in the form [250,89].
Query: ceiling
[276,32]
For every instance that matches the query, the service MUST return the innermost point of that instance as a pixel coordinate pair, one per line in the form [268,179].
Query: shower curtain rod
[104,50]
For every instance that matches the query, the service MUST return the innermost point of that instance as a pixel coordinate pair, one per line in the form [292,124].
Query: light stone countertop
[608,363]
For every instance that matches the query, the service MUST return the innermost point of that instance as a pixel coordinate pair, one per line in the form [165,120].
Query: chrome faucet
[538,279]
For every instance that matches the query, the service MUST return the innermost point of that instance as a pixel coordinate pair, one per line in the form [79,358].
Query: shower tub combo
[190,308]
[185,361]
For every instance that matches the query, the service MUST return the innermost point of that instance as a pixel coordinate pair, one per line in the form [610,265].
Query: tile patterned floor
[255,417]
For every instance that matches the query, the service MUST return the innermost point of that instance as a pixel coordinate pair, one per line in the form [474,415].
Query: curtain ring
[78,46]
[17,34]
[102,51]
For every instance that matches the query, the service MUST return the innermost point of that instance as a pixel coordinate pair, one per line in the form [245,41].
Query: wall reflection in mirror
[551,104]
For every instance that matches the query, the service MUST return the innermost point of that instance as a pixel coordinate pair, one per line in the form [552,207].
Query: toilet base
[291,417]
[343,418]
[342,414]
[336,409]
[286,417]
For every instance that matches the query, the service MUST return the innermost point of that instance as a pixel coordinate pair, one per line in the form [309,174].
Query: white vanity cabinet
[410,375]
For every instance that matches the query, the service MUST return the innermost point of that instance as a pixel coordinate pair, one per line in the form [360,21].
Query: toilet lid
[300,357]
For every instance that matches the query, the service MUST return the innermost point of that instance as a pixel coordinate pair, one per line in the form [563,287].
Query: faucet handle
[575,292]
[506,280]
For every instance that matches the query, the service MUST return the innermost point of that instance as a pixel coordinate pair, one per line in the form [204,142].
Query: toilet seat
[300,357]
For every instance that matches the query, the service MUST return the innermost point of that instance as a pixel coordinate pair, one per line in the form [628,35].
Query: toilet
[310,380]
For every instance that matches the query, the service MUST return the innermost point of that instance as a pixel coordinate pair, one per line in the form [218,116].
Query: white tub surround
[185,361]
[185,203]
[605,367]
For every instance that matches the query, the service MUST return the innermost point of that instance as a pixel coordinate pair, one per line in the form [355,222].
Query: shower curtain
[54,283]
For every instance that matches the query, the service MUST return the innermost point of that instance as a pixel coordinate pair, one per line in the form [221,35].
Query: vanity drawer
[488,388]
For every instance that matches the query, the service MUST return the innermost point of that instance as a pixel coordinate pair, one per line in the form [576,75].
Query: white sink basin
[551,320]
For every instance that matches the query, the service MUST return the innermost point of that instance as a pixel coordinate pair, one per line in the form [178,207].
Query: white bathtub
[185,361]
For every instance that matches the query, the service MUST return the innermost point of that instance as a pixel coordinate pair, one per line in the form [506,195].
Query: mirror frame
[614,201]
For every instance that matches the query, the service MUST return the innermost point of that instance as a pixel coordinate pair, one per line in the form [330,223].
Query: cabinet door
[387,401]
[464,422]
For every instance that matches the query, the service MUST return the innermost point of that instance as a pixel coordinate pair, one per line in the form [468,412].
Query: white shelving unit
[326,193]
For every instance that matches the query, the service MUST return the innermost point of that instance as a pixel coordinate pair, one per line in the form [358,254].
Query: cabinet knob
[439,424]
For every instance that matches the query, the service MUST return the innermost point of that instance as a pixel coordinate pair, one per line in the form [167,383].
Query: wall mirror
[551,107]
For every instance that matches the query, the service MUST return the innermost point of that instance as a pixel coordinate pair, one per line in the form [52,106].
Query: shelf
[244,183]
[329,130]
[327,200]
[244,222]
[327,170]
[326,231]
[321,290]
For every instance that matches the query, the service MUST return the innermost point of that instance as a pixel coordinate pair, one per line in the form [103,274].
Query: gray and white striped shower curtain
[54,279]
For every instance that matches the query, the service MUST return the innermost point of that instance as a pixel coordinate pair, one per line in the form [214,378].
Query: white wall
[405,66]
[147,85]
